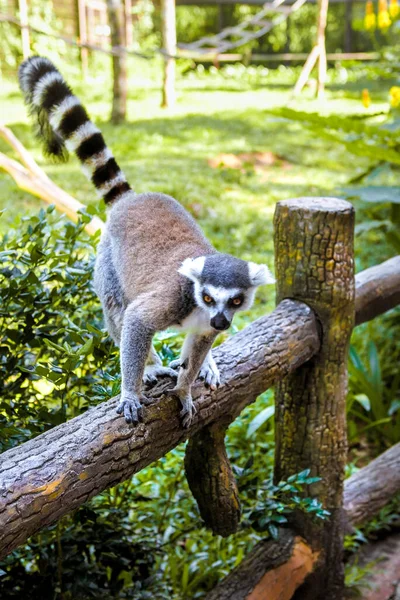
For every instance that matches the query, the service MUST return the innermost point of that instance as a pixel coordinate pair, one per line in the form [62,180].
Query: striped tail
[64,126]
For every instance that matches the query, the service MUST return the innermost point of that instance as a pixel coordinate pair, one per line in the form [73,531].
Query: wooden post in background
[314,264]
[23,17]
[128,23]
[169,47]
[318,53]
[322,65]
[116,18]
[348,33]
[82,28]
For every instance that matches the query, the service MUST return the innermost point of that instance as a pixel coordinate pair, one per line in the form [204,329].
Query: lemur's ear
[192,267]
[260,274]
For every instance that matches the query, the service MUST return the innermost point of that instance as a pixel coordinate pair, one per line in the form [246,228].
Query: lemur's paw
[175,364]
[153,372]
[131,407]
[209,373]
[188,407]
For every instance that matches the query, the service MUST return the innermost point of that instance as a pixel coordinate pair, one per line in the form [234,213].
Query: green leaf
[259,420]
[374,193]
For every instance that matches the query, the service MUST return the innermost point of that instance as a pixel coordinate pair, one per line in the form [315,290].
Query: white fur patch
[42,85]
[83,132]
[97,160]
[58,112]
[260,274]
[197,322]
[108,185]
[25,73]
[192,267]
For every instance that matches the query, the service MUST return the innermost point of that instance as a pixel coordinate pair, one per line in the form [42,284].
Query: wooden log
[47,477]
[48,191]
[273,570]
[212,481]
[169,49]
[275,562]
[378,290]
[368,490]
[314,263]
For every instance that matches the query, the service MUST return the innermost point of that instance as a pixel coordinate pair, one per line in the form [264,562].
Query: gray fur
[154,267]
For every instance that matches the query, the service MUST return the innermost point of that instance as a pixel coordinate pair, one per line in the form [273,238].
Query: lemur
[154,267]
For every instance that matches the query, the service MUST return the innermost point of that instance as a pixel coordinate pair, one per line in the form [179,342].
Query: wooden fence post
[116,19]
[314,264]
[169,47]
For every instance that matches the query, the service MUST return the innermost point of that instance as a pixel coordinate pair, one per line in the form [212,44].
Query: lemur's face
[224,285]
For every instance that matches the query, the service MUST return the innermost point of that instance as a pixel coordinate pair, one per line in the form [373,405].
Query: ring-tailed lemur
[154,267]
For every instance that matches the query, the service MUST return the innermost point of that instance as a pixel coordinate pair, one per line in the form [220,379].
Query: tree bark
[377,290]
[169,48]
[211,480]
[116,17]
[47,477]
[273,570]
[314,264]
[277,562]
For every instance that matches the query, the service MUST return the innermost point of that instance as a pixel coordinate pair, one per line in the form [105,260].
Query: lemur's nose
[220,322]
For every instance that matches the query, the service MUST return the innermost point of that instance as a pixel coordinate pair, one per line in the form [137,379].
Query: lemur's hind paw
[130,406]
[153,372]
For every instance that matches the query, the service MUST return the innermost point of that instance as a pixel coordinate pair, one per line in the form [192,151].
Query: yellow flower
[384,20]
[366,98]
[370,18]
[370,21]
[394,8]
[395,96]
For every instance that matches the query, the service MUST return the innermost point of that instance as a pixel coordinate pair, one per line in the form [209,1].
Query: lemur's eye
[207,299]
[237,301]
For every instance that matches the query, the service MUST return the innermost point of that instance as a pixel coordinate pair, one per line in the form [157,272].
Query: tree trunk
[314,264]
[116,17]
[169,49]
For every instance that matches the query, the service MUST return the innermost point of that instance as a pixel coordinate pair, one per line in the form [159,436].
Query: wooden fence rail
[302,345]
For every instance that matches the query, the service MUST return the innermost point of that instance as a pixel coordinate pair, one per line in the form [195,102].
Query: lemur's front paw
[153,372]
[130,406]
[209,373]
[175,364]
[188,407]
